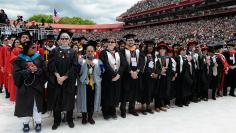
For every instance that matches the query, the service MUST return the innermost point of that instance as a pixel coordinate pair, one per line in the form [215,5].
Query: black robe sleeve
[141,61]
[20,72]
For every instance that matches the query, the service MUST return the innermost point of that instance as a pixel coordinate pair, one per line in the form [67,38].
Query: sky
[101,11]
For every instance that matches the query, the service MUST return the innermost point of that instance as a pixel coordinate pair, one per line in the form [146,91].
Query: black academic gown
[111,89]
[64,62]
[184,80]
[130,90]
[204,77]
[163,88]
[30,86]
[230,78]
[147,92]
[50,90]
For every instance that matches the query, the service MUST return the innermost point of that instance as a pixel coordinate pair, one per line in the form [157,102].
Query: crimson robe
[15,52]
[1,66]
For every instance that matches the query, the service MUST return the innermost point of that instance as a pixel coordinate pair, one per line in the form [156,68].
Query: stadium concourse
[205,117]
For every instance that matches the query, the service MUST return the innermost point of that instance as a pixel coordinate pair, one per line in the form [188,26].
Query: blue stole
[28,58]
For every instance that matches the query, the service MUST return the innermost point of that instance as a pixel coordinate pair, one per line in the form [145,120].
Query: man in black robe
[132,75]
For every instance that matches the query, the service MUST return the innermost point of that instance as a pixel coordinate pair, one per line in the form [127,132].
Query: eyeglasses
[64,38]
[130,40]
[111,42]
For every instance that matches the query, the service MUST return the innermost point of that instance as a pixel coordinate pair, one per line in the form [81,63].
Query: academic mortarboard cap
[219,46]
[91,43]
[64,31]
[82,38]
[162,44]
[120,42]
[50,37]
[129,36]
[211,49]
[104,40]
[149,42]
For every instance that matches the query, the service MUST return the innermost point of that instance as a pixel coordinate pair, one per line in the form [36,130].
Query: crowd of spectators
[144,5]
[206,31]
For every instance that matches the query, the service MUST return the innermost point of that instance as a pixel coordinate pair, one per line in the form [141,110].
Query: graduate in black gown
[204,64]
[213,80]
[222,68]
[29,80]
[184,80]
[49,46]
[149,77]
[114,63]
[132,76]
[171,54]
[164,71]
[230,78]
[63,63]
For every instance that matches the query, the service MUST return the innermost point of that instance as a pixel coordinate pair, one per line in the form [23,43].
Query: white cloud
[102,11]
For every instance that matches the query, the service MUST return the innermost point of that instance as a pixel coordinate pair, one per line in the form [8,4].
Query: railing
[37,34]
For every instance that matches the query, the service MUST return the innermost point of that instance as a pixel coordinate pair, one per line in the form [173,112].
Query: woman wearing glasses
[114,63]
[62,63]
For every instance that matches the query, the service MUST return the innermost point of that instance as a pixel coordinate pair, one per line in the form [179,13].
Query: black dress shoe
[7,95]
[106,117]
[38,128]
[133,113]
[149,111]
[179,105]
[123,114]
[91,121]
[84,121]
[0,89]
[233,95]
[26,128]
[114,116]
[213,98]
[55,126]
[205,99]
[143,112]
[71,124]
[186,104]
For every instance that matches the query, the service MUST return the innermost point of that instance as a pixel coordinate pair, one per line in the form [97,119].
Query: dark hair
[14,44]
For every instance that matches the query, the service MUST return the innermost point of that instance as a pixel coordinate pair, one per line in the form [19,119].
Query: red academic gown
[15,52]
[1,66]
[7,65]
